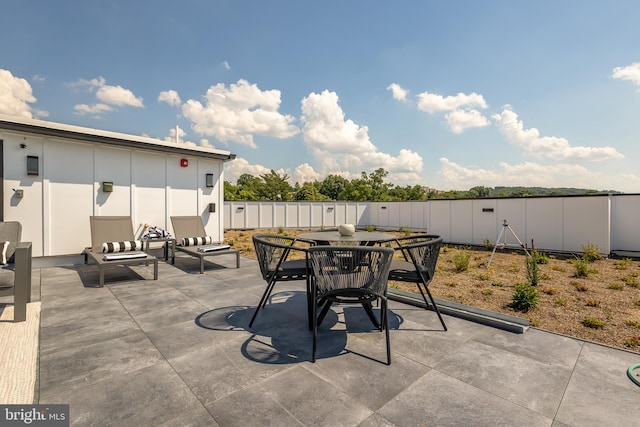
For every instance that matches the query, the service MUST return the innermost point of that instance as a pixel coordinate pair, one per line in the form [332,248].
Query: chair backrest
[10,231]
[187,226]
[271,251]
[423,250]
[358,269]
[110,229]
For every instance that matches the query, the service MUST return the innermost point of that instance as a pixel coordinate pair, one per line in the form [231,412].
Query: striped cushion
[196,241]
[129,245]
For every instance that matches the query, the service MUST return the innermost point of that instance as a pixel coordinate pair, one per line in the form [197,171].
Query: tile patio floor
[178,352]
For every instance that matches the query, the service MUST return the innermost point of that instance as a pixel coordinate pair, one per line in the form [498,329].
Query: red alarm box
[184,163]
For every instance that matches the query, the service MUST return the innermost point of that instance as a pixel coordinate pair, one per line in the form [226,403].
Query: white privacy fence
[557,224]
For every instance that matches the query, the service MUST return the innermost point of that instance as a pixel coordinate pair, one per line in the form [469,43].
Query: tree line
[368,187]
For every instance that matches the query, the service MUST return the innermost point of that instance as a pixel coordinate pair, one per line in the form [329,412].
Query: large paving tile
[592,402]
[71,367]
[607,364]
[145,397]
[519,379]
[539,345]
[439,400]
[199,417]
[253,406]
[368,381]
[221,369]
[313,401]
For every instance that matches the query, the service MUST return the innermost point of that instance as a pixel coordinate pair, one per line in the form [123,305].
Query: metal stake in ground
[505,226]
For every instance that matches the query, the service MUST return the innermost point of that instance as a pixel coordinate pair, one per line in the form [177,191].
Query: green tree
[309,191]
[275,187]
[332,186]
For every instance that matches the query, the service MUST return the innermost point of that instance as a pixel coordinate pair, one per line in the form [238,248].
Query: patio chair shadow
[117,274]
[281,334]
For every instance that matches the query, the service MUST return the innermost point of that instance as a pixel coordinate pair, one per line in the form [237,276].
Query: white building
[55,176]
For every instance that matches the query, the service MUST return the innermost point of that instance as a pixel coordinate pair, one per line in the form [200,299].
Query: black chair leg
[369,311]
[263,300]
[433,303]
[385,324]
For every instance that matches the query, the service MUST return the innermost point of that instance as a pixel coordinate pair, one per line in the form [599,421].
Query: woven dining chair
[420,256]
[350,275]
[275,255]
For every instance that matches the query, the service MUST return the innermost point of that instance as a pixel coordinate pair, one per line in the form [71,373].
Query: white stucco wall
[150,186]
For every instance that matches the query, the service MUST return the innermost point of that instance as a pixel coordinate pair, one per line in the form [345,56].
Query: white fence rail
[557,224]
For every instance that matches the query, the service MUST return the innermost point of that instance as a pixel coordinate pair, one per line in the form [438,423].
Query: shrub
[371,228]
[406,231]
[486,292]
[590,253]
[593,322]
[487,244]
[532,270]
[563,302]
[539,257]
[630,280]
[616,286]
[582,267]
[461,261]
[484,276]
[637,303]
[592,303]
[497,284]
[633,323]
[550,291]
[623,264]
[632,341]
[525,296]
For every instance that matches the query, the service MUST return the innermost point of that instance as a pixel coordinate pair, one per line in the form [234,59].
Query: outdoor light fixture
[32,165]
[107,187]
[209,180]
[212,207]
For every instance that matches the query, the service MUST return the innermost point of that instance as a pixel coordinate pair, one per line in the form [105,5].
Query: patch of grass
[633,323]
[593,322]
[630,280]
[581,287]
[637,303]
[539,257]
[633,341]
[545,276]
[371,228]
[623,264]
[563,302]
[559,268]
[616,286]
[590,253]
[592,303]
[497,284]
[484,276]
[281,230]
[461,261]
[550,291]
[581,267]
[525,296]
[450,284]
[486,292]
[514,268]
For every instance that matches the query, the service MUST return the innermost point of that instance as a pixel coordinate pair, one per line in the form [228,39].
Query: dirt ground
[608,297]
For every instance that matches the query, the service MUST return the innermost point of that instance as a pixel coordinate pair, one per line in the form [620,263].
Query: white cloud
[171,97]
[15,96]
[305,173]
[462,109]
[238,113]
[235,168]
[38,78]
[459,120]
[432,103]
[551,147]
[342,145]
[107,95]
[529,174]
[398,92]
[630,72]
[226,65]
[96,110]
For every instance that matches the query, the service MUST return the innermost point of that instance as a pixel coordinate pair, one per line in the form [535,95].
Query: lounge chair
[110,232]
[192,239]
[15,274]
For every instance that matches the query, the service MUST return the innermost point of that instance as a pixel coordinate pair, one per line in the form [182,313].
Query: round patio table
[365,238]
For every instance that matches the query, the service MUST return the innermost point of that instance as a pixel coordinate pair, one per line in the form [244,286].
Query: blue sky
[449,95]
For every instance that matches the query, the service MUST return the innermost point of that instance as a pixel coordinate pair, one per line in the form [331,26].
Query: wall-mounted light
[212,207]
[383,207]
[32,165]
[23,145]
[487,209]
[18,193]
[208,180]
[107,186]
[330,209]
